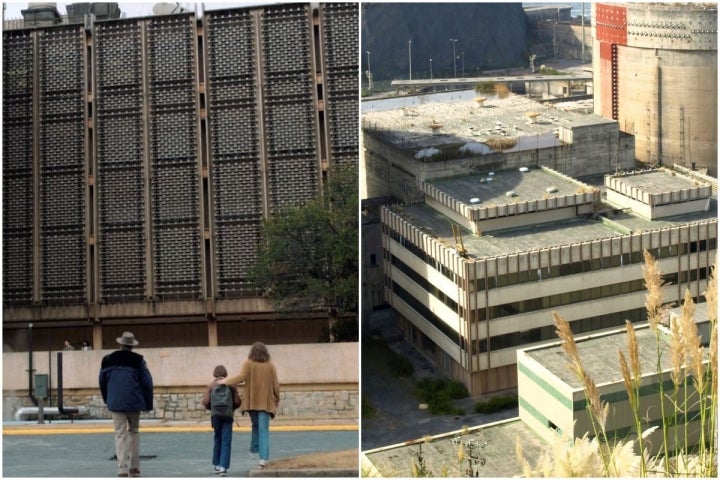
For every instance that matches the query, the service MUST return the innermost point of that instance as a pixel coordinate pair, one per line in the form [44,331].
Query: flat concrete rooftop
[530,185]
[541,235]
[599,355]
[503,242]
[492,445]
[464,121]
[658,181]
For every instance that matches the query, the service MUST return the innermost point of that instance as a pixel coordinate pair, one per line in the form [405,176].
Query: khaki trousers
[127,440]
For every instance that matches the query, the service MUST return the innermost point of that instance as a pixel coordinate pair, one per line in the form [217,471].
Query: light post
[462,62]
[369,72]
[431,69]
[410,57]
[454,41]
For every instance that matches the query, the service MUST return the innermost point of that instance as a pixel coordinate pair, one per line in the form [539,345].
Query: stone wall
[187,405]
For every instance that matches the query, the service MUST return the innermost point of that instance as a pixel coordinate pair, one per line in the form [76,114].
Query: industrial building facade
[141,156]
[474,279]
[655,72]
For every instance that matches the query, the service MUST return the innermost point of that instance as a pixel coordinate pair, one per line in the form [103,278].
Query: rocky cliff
[489,36]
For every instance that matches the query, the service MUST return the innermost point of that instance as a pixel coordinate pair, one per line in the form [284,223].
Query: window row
[554,271]
[547,333]
[425,312]
[418,252]
[424,283]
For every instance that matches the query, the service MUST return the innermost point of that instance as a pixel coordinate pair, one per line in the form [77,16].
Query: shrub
[496,404]
[485,87]
[439,394]
[368,409]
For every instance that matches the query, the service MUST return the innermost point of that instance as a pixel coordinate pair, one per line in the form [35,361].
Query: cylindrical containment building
[655,72]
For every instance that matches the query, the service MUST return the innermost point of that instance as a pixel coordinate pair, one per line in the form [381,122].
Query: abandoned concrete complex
[505,210]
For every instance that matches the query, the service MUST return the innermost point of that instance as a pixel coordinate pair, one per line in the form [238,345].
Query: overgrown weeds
[439,394]
[496,404]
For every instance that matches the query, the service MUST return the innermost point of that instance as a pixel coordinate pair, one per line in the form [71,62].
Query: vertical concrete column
[206,217]
[36,174]
[318,67]
[262,144]
[93,268]
[149,271]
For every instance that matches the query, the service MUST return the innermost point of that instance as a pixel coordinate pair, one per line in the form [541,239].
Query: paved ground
[86,449]
[398,418]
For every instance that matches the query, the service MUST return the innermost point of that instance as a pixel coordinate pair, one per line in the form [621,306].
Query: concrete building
[475,269]
[408,145]
[670,49]
[550,398]
[141,156]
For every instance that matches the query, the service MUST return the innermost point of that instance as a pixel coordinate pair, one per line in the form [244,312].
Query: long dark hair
[259,353]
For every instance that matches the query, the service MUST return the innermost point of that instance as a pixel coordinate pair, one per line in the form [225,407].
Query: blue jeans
[222,441]
[260,439]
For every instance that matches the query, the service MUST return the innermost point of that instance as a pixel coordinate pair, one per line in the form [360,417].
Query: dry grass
[341,459]
[501,143]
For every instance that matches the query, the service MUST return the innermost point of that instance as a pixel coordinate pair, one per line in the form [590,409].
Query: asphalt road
[172,453]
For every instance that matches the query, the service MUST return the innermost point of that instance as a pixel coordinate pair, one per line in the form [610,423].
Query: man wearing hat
[127,389]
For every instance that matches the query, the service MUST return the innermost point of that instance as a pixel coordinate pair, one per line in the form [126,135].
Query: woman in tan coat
[260,397]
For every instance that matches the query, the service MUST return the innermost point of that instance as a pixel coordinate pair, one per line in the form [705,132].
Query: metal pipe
[60,388]
[49,389]
[30,366]
[47,411]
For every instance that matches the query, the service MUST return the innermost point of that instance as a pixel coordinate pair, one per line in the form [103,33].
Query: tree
[308,259]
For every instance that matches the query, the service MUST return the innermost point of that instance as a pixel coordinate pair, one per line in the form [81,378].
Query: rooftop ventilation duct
[167,8]
[40,14]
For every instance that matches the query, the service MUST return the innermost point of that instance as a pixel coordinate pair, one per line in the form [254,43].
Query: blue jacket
[125,382]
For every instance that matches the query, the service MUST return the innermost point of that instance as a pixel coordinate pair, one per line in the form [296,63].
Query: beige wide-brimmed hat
[127,339]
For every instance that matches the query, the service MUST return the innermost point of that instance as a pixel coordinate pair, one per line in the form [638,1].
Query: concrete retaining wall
[316,380]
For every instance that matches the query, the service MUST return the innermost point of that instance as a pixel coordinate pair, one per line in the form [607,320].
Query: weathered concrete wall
[315,379]
[671,50]
[593,148]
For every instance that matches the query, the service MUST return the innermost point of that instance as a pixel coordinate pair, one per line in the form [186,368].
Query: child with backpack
[221,400]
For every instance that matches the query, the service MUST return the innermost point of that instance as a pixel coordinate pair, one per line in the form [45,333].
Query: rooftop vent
[532,116]
[167,8]
[435,127]
[41,14]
